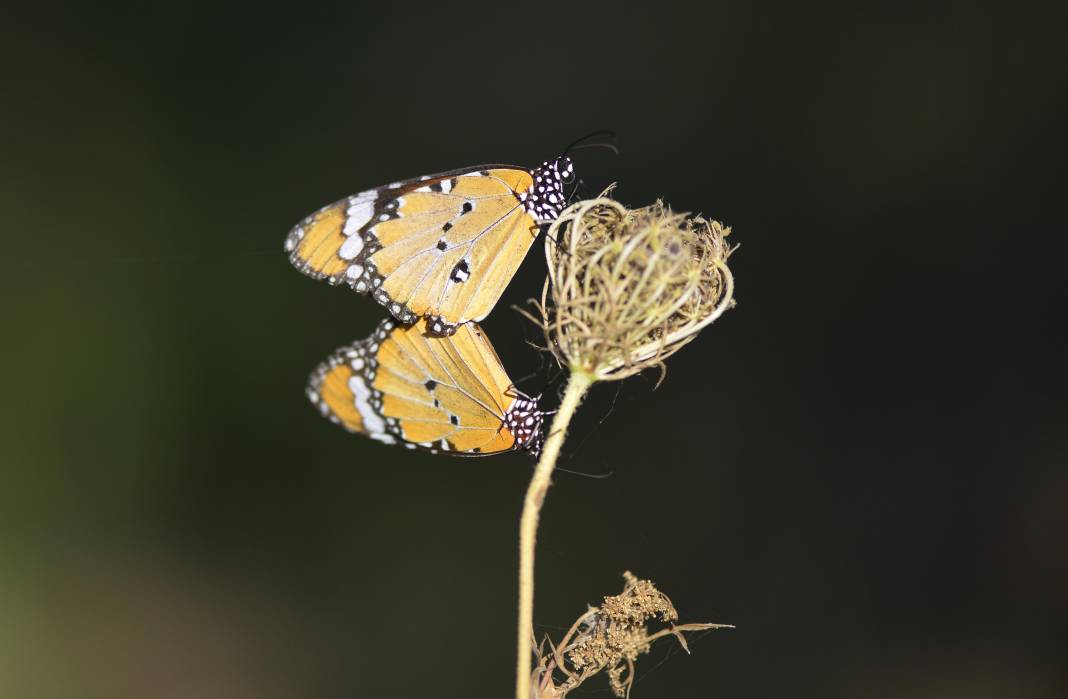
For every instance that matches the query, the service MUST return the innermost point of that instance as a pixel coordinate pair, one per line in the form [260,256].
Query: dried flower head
[628,288]
[611,637]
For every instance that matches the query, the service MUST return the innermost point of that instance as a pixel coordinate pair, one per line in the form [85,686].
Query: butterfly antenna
[596,427]
[515,384]
[610,146]
[579,183]
[575,145]
[595,476]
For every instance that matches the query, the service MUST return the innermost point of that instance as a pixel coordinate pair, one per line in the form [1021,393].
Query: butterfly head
[525,421]
[564,168]
[545,199]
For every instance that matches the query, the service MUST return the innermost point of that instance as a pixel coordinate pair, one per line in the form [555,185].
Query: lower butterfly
[446,394]
[442,246]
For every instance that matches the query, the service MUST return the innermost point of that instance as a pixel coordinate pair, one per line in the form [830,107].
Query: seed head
[628,288]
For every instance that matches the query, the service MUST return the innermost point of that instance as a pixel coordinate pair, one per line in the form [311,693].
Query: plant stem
[578,383]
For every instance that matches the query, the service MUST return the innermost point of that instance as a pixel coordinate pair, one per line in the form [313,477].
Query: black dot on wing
[466,208]
[442,245]
[431,385]
[454,420]
[460,272]
[476,450]
[446,227]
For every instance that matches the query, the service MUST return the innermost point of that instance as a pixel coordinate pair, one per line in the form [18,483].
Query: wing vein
[471,244]
[453,383]
[505,239]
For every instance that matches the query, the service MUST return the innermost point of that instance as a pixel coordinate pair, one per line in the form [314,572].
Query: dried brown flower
[610,638]
[628,288]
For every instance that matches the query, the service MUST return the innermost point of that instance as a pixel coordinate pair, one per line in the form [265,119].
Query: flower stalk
[626,289]
[577,385]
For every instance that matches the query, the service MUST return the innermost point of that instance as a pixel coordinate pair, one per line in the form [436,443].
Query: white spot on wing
[351,247]
[446,186]
[372,422]
[358,215]
[294,237]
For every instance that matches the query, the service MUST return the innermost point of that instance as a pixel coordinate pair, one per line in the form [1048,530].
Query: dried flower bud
[628,288]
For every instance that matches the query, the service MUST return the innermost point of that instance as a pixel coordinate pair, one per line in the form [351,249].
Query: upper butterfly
[442,246]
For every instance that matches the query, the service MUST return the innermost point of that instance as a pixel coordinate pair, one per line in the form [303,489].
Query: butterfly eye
[565,170]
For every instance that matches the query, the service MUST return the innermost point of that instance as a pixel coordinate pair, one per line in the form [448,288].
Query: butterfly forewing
[442,247]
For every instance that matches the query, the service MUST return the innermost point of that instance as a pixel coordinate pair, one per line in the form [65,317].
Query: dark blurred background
[862,466]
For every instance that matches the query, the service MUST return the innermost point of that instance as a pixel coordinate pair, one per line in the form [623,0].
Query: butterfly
[441,247]
[445,394]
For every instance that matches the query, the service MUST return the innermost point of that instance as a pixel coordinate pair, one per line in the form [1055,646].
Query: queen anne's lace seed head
[628,288]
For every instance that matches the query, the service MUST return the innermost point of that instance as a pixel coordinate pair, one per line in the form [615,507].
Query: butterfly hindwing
[446,394]
[442,246]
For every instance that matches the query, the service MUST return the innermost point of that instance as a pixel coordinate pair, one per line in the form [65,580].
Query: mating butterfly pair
[437,251]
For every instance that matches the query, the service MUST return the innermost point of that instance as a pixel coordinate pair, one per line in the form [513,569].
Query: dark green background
[862,466]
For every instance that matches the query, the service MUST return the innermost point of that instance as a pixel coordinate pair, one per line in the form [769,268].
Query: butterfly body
[443,394]
[442,247]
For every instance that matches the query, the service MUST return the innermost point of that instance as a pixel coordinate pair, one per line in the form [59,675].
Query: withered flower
[628,288]
[609,639]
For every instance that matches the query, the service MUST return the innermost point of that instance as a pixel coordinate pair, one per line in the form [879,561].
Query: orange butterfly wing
[442,247]
[446,394]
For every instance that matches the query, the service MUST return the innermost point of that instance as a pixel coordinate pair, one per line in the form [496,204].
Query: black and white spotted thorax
[545,199]
[524,420]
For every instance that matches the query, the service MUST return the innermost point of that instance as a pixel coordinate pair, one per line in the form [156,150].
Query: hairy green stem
[578,383]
